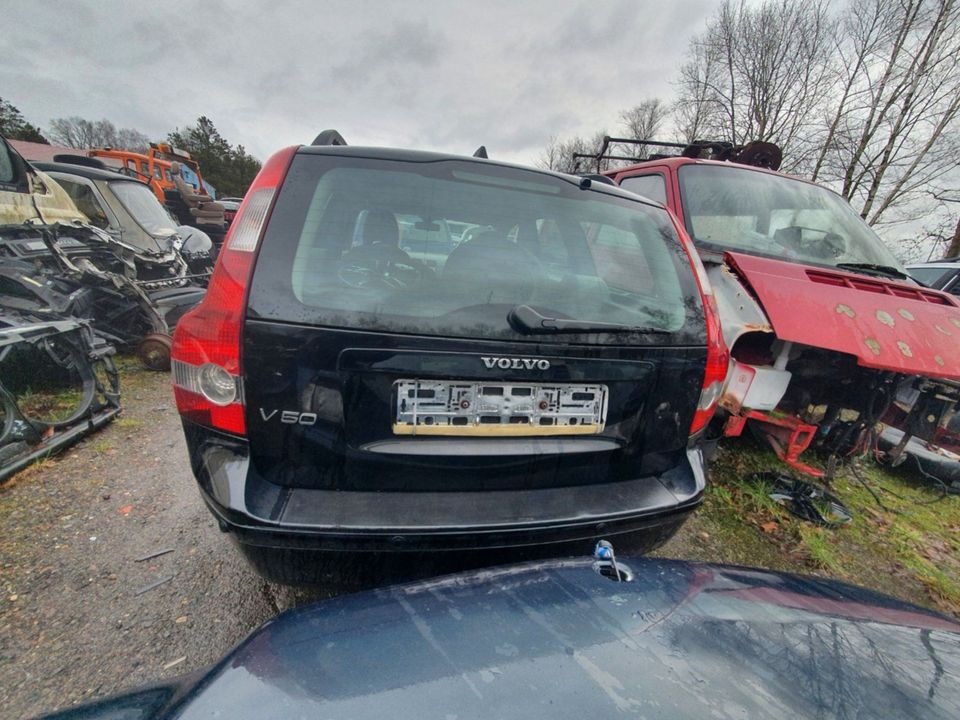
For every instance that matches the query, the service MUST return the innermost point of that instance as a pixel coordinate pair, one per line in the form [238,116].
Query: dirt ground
[77,620]
[83,616]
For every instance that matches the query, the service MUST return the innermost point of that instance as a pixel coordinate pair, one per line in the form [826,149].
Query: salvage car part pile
[56,265]
[124,206]
[73,270]
[803,499]
[57,384]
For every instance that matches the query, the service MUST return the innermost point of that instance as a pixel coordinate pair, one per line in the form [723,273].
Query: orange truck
[152,166]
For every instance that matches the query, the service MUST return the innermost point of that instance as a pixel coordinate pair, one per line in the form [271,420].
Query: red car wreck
[828,334]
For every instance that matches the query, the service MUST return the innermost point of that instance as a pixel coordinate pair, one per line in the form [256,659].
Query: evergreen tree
[14,127]
[229,169]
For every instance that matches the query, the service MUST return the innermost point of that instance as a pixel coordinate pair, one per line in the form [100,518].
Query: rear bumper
[260,513]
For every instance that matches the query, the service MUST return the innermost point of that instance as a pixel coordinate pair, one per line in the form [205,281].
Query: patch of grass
[102,447]
[133,375]
[49,405]
[125,422]
[819,543]
[909,548]
[37,466]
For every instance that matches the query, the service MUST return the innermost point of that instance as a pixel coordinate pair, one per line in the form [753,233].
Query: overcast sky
[427,74]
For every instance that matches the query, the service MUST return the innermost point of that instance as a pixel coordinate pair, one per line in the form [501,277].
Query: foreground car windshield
[774,215]
[145,208]
[452,248]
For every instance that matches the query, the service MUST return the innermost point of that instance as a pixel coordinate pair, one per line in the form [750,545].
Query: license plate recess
[471,408]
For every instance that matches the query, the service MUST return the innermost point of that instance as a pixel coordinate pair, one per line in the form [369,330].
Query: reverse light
[206,364]
[216,384]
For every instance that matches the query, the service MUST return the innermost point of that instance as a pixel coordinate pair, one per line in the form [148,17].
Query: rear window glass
[451,247]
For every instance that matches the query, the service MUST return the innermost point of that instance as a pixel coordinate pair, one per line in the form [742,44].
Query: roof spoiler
[599,178]
[83,160]
[757,153]
[329,137]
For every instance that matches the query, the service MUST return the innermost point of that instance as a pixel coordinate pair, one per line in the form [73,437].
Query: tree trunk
[953,249]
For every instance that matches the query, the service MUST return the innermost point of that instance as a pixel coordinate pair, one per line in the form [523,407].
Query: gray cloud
[408,47]
[434,74]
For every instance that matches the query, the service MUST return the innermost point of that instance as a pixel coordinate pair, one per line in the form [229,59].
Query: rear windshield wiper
[873,268]
[525,319]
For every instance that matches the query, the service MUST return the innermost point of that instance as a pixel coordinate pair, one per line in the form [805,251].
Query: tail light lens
[718,360]
[718,356]
[206,343]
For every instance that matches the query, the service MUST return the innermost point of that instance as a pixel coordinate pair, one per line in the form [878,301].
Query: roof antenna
[481,152]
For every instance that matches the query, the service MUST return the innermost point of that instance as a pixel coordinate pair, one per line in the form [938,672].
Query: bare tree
[130,139]
[77,132]
[641,122]
[559,154]
[697,106]
[551,158]
[644,121]
[953,243]
[893,128]
[760,72]
[953,246]
[944,239]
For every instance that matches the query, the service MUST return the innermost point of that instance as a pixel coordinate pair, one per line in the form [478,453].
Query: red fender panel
[885,324]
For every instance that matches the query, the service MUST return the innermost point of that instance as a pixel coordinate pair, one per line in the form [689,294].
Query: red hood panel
[887,325]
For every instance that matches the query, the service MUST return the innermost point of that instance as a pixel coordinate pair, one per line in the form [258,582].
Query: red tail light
[718,356]
[206,344]
[718,359]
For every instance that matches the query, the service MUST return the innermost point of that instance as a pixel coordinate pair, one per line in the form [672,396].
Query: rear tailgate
[322,411]
[886,325]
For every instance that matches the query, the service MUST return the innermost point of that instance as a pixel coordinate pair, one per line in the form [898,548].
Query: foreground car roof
[558,640]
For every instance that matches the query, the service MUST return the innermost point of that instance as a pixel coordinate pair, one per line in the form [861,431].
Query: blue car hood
[557,640]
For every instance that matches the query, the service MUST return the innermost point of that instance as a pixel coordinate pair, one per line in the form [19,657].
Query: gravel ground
[77,621]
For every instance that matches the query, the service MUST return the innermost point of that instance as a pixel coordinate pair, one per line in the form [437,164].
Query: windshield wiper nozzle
[875,269]
[525,319]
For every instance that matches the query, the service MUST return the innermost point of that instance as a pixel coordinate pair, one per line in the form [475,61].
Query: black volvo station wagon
[403,352]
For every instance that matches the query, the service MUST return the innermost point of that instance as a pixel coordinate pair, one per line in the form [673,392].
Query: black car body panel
[346,378]
[559,640]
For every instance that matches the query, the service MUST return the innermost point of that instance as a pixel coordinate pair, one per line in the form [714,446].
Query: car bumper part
[261,513]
